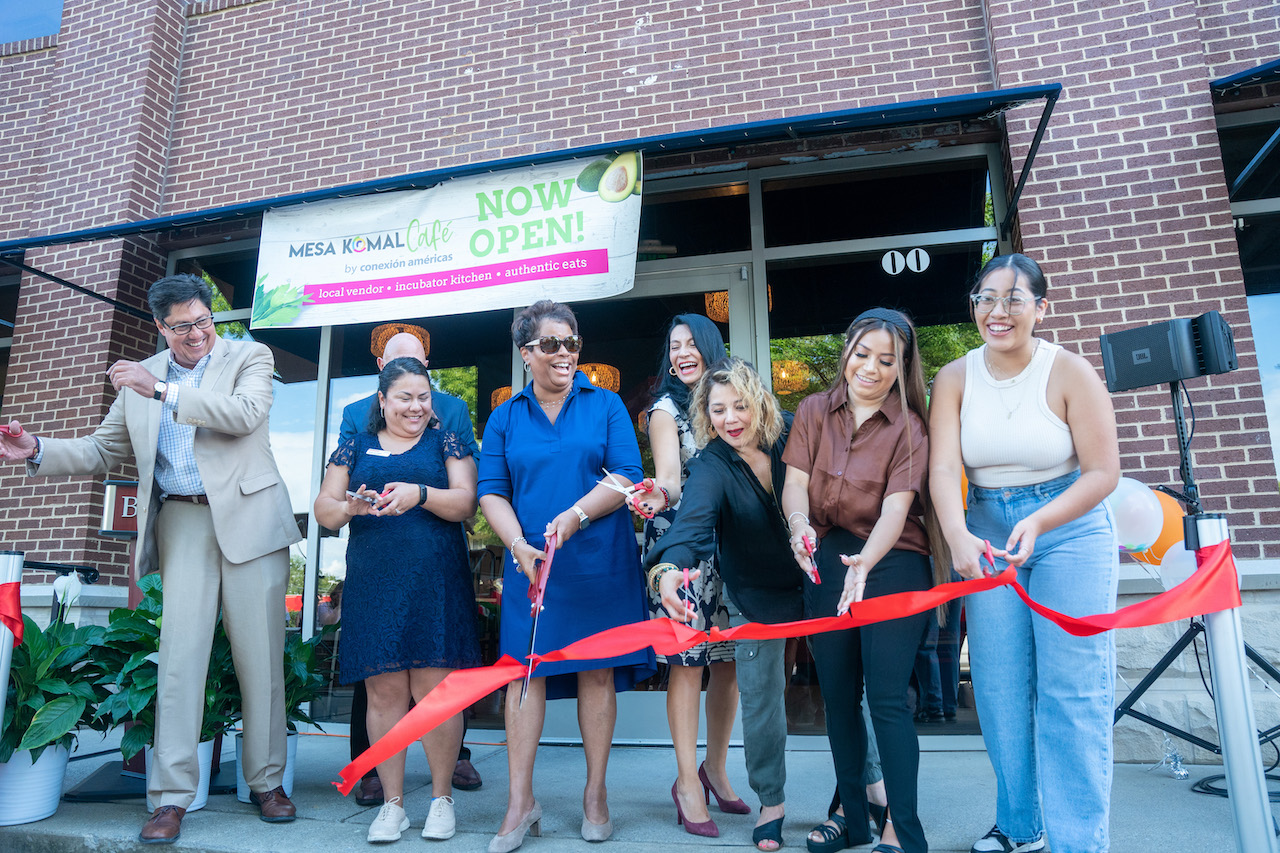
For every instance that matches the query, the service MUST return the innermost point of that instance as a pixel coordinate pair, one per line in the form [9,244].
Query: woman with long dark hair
[857,465]
[1032,425]
[691,343]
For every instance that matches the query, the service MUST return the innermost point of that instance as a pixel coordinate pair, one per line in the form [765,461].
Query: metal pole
[1237,730]
[10,572]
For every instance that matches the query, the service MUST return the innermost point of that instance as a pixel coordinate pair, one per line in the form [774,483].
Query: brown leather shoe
[274,805]
[369,792]
[163,827]
[465,777]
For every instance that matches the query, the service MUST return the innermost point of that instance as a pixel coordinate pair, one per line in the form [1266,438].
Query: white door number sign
[894,262]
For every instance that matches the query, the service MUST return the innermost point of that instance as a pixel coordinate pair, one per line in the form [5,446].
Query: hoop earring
[671,370]
[527,368]
[382,413]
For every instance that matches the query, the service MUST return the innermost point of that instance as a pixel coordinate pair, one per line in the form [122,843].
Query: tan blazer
[249,503]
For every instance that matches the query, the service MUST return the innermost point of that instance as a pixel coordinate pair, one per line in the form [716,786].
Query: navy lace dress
[408,602]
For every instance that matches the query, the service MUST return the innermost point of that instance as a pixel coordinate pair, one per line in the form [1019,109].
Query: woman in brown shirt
[856,468]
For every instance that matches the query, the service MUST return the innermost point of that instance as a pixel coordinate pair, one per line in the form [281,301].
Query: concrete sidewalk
[1150,810]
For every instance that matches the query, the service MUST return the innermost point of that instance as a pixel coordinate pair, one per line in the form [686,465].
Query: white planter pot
[204,752]
[30,792]
[291,761]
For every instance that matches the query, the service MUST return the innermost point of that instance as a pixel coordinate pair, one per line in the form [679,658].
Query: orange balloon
[1170,531]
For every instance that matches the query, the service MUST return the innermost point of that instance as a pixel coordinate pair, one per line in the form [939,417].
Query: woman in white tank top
[1032,426]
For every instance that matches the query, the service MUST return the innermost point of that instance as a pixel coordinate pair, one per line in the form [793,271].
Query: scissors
[645,485]
[990,557]
[4,428]
[537,593]
[810,549]
[688,604]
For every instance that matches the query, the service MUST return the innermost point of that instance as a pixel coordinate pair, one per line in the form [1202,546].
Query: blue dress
[408,602]
[596,583]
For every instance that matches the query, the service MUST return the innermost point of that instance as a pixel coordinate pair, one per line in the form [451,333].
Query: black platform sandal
[833,837]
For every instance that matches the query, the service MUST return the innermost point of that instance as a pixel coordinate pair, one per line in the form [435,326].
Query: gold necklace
[1008,412]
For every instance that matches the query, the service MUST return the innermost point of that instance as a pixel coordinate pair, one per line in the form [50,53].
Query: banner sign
[566,231]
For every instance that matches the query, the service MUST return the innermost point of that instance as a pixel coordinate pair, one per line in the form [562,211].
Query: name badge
[374,451]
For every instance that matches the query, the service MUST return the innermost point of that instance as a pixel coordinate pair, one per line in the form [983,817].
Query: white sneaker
[440,820]
[996,841]
[390,822]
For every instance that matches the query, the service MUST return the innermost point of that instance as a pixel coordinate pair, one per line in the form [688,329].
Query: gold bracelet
[656,573]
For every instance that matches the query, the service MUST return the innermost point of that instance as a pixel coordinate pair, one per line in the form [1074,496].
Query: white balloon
[1177,565]
[1139,516]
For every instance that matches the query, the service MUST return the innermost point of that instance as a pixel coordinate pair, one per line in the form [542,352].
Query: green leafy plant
[303,680]
[278,306]
[130,657]
[52,688]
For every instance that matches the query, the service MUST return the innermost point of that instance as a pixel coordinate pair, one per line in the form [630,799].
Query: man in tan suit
[215,519]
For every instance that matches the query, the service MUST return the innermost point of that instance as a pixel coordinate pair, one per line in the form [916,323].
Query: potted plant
[304,682]
[53,689]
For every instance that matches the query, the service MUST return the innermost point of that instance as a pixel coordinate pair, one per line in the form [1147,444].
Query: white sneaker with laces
[996,841]
[441,823]
[390,822]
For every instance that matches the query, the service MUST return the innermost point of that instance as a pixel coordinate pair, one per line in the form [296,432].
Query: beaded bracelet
[666,497]
[514,542]
[656,573]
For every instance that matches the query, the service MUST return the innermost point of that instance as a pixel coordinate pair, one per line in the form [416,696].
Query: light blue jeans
[1045,697]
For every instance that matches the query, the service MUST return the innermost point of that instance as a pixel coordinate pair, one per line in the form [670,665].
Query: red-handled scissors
[688,605]
[537,594]
[645,485]
[990,557]
[809,548]
[4,428]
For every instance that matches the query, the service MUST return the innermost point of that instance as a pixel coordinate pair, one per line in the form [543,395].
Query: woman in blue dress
[543,456]
[408,606]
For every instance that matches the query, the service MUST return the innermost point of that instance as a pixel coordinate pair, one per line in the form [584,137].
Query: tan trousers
[196,579]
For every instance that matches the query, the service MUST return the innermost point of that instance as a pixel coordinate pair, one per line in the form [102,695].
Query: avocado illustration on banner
[621,179]
[589,178]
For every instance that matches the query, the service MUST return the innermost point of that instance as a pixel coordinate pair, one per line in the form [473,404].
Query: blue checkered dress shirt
[176,471]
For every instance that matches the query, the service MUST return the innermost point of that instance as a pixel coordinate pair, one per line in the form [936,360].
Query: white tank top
[1008,434]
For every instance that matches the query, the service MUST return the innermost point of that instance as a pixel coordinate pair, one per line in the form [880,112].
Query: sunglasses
[550,344]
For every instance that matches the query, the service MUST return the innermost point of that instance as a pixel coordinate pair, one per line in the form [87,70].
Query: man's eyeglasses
[550,344]
[1013,305]
[183,328]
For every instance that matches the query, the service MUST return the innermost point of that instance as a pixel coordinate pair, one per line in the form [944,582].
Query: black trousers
[881,656]
[360,731]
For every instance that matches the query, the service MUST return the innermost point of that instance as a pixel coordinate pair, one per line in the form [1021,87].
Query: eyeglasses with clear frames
[550,344]
[1013,305]
[184,328]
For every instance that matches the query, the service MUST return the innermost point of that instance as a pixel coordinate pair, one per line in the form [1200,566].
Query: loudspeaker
[1168,352]
[1150,355]
[1215,345]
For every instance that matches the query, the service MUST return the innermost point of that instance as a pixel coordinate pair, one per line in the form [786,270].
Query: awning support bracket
[1006,227]
[128,309]
[1247,171]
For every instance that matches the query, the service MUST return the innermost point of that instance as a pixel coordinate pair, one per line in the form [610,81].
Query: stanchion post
[1237,730]
[10,572]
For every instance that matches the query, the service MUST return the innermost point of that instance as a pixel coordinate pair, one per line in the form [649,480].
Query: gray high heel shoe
[596,831]
[531,823]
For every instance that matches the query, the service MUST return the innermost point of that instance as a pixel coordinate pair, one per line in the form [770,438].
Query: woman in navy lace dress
[408,610]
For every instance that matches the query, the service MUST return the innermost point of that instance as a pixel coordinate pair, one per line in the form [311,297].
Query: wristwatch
[583,521]
[158,391]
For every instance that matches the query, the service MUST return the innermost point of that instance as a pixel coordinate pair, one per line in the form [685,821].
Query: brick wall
[354,92]
[1127,210]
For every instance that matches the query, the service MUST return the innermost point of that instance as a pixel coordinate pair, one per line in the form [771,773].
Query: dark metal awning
[978,105]
[1267,73]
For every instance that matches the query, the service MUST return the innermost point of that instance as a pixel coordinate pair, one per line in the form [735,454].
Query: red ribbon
[1213,587]
[11,610]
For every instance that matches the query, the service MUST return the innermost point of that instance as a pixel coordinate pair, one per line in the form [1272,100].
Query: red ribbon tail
[459,689]
[11,610]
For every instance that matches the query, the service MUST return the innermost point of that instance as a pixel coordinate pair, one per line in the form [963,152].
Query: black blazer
[724,510]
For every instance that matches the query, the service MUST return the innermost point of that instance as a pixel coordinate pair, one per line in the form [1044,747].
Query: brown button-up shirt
[851,472]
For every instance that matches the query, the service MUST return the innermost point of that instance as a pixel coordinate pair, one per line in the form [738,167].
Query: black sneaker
[995,841]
